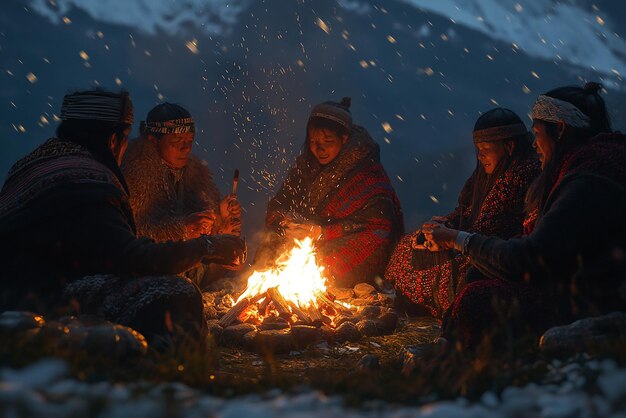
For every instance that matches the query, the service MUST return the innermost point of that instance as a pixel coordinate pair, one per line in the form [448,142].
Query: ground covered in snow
[324,381]
[586,388]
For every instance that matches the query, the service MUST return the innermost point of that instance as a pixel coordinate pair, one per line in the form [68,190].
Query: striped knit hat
[336,112]
[98,105]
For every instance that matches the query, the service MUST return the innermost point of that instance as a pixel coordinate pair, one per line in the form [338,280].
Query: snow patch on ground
[44,390]
[542,28]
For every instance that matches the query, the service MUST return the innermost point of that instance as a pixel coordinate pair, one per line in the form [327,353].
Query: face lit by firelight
[325,144]
[174,149]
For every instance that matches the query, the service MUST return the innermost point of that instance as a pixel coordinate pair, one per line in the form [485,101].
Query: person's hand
[417,240]
[230,207]
[198,223]
[231,226]
[295,230]
[228,251]
[438,236]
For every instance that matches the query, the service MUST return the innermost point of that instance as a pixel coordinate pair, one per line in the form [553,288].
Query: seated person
[571,263]
[491,202]
[64,214]
[339,194]
[172,193]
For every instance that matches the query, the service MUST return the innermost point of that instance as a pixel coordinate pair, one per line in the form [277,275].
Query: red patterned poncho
[432,280]
[353,201]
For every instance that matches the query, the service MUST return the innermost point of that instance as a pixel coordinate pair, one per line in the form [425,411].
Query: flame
[296,274]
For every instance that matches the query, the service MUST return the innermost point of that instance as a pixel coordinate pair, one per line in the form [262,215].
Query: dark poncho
[571,264]
[65,215]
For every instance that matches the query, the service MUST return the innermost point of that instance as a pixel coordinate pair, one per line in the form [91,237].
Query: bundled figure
[65,214]
[491,202]
[571,263]
[172,193]
[339,194]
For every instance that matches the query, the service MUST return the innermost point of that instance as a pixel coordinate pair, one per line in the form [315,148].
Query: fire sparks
[322,25]
[297,276]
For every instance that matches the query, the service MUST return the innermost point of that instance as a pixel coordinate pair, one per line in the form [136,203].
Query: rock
[214,328]
[597,336]
[347,332]
[305,336]
[363,290]
[328,333]
[94,336]
[233,335]
[386,299]
[249,340]
[368,362]
[408,358]
[343,318]
[210,313]
[388,322]
[15,321]
[362,301]
[274,322]
[370,311]
[342,293]
[368,328]
[275,341]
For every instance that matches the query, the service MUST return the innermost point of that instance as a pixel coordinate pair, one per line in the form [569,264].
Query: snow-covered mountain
[556,30]
[578,33]
[214,17]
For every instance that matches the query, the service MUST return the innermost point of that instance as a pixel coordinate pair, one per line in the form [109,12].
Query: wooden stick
[323,298]
[314,313]
[280,303]
[234,312]
[299,312]
[235,181]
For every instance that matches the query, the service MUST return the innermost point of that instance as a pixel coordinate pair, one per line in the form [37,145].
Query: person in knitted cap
[570,264]
[491,202]
[338,194]
[64,215]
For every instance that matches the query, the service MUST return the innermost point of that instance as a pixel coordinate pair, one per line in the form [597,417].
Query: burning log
[234,312]
[314,314]
[332,304]
[280,304]
[299,312]
[237,310]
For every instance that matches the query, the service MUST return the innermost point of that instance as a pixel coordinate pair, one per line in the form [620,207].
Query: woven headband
[172,126]
[331,117]
[498,133]
[94,106]
[549,109]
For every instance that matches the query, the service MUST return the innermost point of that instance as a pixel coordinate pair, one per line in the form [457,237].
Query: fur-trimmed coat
[352,200]
[160,202]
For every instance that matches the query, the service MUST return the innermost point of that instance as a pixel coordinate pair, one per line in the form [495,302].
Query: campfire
[295,290]
[290,306]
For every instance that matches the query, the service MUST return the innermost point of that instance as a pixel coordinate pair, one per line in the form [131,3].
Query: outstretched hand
[438,236]
[198,223]
[297,230]
[228,251]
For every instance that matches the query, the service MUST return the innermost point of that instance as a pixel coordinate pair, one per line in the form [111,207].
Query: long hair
[480,183]
[93,135]
[588,100]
